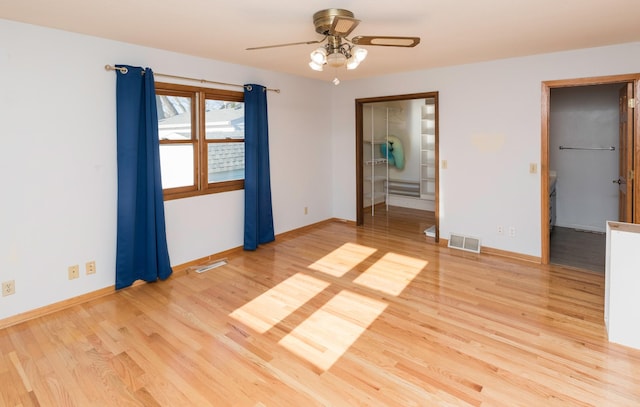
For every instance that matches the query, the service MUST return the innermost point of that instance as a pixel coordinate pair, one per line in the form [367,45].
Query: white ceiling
[452,31]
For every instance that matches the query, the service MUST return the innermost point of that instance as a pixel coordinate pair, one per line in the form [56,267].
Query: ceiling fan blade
[386,41]
[342,26]
[287,44]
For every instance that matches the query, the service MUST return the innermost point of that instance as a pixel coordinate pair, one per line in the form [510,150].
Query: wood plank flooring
[332,315]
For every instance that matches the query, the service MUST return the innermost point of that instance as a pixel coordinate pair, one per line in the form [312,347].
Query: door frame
[359,151]
[544,160]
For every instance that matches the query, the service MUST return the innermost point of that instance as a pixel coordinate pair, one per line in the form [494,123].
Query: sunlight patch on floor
[391,274]
[343,259]
[264,312]
[327,334]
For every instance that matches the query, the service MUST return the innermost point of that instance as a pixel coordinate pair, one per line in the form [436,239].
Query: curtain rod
[124,70]
[612,148]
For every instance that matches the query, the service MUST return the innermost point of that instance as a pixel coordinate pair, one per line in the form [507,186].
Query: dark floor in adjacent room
[577,248]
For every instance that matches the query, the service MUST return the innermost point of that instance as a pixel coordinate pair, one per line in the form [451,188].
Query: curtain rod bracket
[123,70]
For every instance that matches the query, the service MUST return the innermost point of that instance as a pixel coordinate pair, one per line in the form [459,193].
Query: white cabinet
[428,150]
[622,284]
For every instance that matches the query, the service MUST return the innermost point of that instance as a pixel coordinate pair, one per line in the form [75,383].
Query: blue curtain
[258,213]
[141,252]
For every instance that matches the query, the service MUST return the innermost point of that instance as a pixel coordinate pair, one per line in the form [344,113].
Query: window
[201,133]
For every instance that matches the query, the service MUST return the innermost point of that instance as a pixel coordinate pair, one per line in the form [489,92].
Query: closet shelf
[428,150]
[376,161]
[376,141]
[376,178]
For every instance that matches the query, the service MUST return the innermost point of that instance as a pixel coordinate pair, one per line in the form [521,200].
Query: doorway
[583,160]
[590,169]
[396,158]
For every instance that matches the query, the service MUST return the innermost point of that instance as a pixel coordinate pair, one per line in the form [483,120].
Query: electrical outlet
[500,230]
[90,267]
[512,231]
[74,272]
[306,210]
[8,288]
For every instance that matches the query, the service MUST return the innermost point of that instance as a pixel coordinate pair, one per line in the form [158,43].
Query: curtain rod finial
[122,69]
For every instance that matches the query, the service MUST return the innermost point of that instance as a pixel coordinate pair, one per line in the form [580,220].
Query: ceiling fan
[336,24]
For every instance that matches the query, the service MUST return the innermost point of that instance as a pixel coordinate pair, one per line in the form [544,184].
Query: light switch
[533,168]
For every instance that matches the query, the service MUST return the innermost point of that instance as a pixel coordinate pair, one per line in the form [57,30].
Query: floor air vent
[211,266]
[470,244]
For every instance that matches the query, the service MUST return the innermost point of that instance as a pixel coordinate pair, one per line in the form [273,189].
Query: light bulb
[336,81]
[319,56]
[352,63]
[315,67]
[359,53]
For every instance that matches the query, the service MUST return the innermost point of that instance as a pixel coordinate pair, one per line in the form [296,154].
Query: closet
[397,161]
[399,154]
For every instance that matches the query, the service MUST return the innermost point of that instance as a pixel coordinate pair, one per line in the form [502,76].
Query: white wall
[585,116]
[58,161]
[489,117]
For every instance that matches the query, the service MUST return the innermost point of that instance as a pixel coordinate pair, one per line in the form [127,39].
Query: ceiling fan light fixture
[335,25]
[319,56]
[352,63]
[315,66]
[336,59]
[359,53]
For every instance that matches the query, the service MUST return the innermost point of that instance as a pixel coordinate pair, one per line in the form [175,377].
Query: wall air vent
[467,243]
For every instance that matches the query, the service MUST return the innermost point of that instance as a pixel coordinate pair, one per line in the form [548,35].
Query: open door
[625,176]
[629,129]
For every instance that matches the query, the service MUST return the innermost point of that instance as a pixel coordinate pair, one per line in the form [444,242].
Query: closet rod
[124,70]
[612,148]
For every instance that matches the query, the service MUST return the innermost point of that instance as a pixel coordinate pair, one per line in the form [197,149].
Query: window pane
[176,165]
[224,120]
[226,162]
[174,117]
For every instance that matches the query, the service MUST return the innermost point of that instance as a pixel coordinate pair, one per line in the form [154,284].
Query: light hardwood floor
[332,315]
